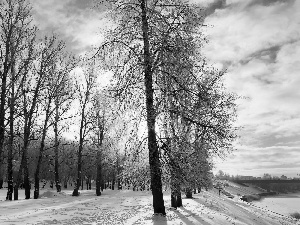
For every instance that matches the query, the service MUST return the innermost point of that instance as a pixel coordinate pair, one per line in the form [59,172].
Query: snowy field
[128,207]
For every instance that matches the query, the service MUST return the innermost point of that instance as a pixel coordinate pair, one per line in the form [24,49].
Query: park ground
[133,207]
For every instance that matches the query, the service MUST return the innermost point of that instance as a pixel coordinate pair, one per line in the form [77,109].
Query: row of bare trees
[161,84]
[45,91]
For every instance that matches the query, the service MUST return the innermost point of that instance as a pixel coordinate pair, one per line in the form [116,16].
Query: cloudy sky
[257,41]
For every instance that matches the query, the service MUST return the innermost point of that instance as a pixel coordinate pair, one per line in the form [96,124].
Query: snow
[129,207]
[285,204]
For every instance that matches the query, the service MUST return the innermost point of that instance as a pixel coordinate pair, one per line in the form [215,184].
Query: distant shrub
[295,215]
[250,198]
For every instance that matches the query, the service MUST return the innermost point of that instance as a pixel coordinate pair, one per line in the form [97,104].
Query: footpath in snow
[128,207]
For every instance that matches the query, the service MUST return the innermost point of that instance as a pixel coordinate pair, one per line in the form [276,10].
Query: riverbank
[128,207]
[285,204]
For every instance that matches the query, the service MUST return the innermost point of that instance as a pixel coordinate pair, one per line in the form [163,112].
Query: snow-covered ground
[128,207]
[285,204]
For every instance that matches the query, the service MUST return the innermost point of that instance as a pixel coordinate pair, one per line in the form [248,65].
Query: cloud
[257,161]
[76,21]
[259,44]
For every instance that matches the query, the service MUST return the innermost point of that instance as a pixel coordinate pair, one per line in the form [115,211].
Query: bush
[295,215]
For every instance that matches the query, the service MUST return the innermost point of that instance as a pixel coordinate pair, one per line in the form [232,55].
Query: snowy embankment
[128,207]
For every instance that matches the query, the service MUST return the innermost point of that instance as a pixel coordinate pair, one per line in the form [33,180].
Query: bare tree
[63,99]
[16,34]
[99,119]
[54,94]
[85,90]
[32,91]
[158,48]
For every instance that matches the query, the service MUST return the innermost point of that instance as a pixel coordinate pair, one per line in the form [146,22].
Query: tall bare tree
[32,92]
[85,85]
[54,94]
[63,99]
[16,33]
[158,44]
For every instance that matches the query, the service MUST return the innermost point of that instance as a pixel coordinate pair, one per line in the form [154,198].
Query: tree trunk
[99,175]
[1,177]
[37,178]
[27,185]
[179,199]
[56,164]
[119,184]
[113,179]
[154,161]
[189,193]
[79,166]
[24,168]
[42,147]
[173,190]
[173,199]
[27,130]
[199,189]
[2,112]
[10,181]
[65,184]
[18,180]
[118,173]
[79,155]
[16,194]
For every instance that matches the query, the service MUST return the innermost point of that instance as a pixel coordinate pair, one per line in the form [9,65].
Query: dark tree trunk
[65,184]
[79,154]
[99,174]
[27,130]
[1,177]
[113,180]
[154,161]
[18,179]
[118,173]
[119,184]
[24,168]
[56,164]
[2,110]
[173,190]
[176,200]
[179,199]
[42,147]
[27,185]
[173,199]
[10,179]
[37,176]
[103,185]
[79,165]
[189,193]
[16,194]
